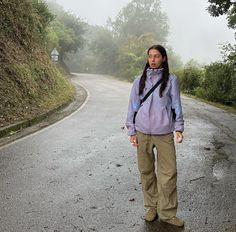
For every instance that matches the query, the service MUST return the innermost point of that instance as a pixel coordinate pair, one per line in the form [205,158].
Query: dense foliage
[26,20]
[221,7]
[215,82]
[219,83]
[66,32]
[140,17]
[29,82]
[119,48]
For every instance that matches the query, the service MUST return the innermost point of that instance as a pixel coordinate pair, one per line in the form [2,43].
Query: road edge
[21,129]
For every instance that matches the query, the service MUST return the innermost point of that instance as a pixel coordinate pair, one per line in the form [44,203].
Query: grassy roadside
[30,84]
[230,109]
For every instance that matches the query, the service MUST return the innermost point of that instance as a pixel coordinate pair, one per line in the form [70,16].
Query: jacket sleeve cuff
[179,128]
[131,132]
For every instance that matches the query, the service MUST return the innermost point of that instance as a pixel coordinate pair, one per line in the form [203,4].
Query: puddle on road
[220,160]
[218,171]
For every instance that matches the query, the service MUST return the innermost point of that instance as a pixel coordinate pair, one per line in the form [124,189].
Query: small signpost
[54,55]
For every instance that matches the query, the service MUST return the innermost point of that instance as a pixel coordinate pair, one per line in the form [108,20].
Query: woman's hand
[179,137]
[133,140]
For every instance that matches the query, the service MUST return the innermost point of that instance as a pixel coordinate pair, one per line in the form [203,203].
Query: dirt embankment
[30,83]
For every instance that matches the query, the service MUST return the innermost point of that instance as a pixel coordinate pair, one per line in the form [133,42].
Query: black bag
[173,113]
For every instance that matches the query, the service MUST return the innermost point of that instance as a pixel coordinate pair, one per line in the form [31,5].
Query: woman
[157,118]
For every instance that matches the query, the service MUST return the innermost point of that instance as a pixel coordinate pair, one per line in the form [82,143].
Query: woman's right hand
[133,140]
[179,137]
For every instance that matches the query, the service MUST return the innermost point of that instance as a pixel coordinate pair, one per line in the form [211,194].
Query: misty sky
[193,32]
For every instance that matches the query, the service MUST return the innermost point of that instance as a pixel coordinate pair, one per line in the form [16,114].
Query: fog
[193,34]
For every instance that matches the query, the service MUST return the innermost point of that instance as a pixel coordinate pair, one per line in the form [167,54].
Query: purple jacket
[155,116]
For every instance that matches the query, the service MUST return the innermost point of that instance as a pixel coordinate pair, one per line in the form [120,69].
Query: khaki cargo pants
[159,186]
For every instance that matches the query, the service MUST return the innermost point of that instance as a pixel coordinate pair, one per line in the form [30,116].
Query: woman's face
[155,59]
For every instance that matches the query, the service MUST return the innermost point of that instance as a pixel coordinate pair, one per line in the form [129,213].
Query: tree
[190,77]
[140,17]
[67,31]
[219,83]
[174,60]
[76,29]
[120,47]
[104,47]
[52,39]
[132,55]
[228,52]
[99,54]
[228,7]
[221,7]
[43,15]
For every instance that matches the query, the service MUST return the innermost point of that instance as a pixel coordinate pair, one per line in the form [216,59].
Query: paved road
[81,174]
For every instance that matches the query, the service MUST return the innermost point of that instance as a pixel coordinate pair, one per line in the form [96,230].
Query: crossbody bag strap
[146,96]
[150,91]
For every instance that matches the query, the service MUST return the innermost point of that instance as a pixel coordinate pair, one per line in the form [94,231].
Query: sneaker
[174,221]
[151,214]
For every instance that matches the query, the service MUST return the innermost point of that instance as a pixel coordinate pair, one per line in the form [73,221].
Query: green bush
[190,79]
[129,68]
[219,83]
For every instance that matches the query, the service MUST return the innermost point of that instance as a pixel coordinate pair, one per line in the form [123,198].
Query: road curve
[80,174]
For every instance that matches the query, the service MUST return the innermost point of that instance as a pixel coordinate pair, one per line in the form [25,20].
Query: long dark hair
[165,73]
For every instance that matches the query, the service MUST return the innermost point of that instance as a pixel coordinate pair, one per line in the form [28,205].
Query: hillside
[30,83]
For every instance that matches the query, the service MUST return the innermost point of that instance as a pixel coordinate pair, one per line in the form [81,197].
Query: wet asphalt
[80,174]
